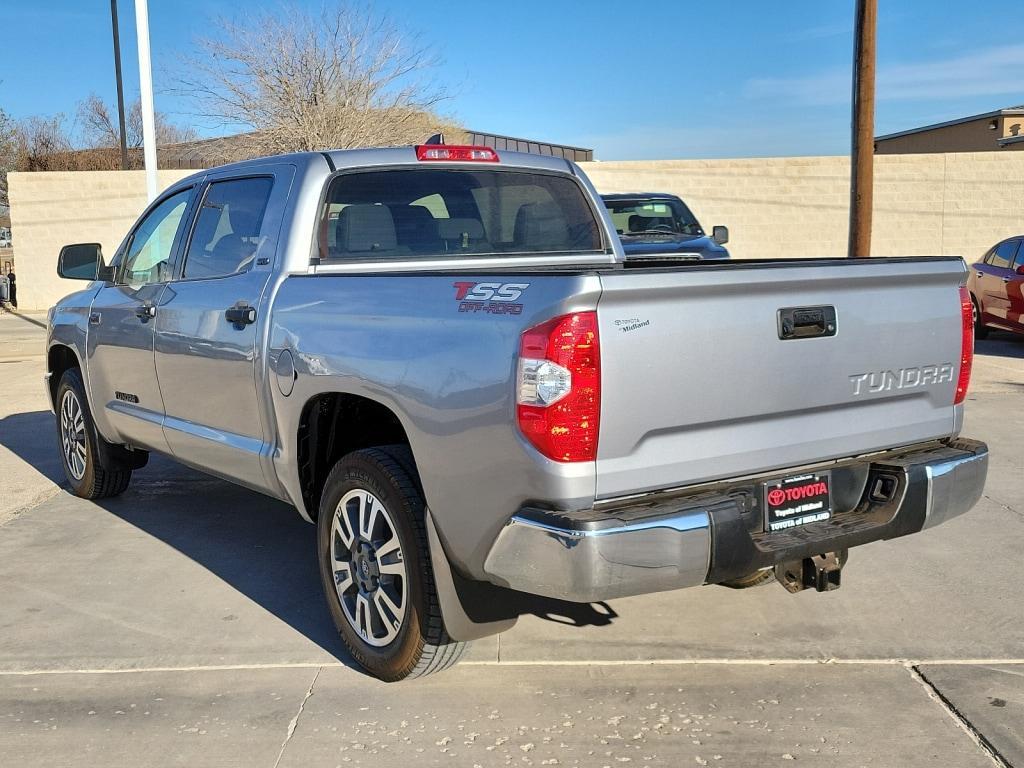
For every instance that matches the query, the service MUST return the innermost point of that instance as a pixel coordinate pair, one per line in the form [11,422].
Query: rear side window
[1002,255]
[227,229]
[430,213]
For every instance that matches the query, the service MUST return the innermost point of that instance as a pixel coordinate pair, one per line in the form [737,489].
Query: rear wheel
[375,567]
[87,458]
[980,331]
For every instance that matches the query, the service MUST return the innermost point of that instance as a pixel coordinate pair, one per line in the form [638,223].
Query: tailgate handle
[807,322]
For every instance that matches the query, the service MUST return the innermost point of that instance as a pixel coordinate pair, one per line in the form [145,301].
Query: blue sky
[675,79]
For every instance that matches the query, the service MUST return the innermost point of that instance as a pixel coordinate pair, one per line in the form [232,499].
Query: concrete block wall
[54,208]
[925,205]
[949,204]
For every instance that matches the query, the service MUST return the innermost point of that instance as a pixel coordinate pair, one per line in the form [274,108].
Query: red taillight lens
[559,387]
[453,152]
[966,345]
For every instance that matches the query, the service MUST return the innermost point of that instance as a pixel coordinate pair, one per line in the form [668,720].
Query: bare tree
[100,126]
[44,144]
[340,77]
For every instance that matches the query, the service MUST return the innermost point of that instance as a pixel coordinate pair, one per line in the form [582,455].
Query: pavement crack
[1004,505]
[959,718]
[295,720]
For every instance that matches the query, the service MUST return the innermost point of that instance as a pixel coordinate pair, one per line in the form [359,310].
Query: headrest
[541,225]
[244,221]
[638,223]
[363,228]
[454,229]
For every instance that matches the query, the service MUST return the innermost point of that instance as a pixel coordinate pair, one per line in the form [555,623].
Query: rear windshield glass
[433,212]
[640,218]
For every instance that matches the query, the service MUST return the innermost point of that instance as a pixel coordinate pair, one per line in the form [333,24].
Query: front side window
[227,229]
[1002,255]
[429,213]
[151,250]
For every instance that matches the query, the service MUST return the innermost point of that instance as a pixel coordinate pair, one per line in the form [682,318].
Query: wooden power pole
[862,155]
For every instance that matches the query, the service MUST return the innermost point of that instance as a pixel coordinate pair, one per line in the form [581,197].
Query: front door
[209,323]
[1015,292]
[123,388]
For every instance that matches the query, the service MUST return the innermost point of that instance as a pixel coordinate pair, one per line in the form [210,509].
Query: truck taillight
[456,152]
[558,402]
[966,345]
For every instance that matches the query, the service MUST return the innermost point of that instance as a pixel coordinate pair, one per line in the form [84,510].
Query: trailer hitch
[822,572]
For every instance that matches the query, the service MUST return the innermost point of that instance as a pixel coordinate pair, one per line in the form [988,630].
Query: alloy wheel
[72,434]
[369,567]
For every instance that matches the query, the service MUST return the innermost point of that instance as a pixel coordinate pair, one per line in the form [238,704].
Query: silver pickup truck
[441,356]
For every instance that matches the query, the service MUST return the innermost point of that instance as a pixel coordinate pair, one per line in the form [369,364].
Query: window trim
[606,254]
[179,271]
[118,261]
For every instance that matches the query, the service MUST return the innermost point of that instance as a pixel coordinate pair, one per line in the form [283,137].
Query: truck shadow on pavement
[32,438]
[257,545]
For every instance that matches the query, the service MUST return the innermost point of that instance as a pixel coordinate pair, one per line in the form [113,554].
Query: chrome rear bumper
[661,542]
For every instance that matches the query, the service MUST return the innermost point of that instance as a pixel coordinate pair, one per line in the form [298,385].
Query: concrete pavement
[183,624]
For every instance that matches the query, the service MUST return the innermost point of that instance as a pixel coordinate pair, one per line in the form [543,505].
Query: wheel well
[334,424]
[58,360]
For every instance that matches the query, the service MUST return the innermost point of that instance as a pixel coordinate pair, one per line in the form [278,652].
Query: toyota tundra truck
[441,357]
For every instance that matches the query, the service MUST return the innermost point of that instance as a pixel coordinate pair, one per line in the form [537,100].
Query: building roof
[1017,110]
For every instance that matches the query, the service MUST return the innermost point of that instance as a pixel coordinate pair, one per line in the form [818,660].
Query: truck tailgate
[697,383]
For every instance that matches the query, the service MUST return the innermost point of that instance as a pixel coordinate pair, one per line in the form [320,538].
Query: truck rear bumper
[667,541]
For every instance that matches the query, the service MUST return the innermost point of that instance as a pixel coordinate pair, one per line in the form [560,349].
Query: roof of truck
[384,156]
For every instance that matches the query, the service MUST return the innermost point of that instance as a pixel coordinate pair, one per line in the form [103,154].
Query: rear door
[701,382]
[210,322]
[123,387]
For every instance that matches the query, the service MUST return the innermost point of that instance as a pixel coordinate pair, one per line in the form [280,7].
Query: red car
[996,284]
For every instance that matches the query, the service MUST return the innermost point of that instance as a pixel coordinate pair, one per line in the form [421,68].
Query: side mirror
[83,261]
[720,234]
[1020,269]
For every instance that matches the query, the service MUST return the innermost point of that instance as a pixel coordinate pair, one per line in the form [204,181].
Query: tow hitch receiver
[819,571]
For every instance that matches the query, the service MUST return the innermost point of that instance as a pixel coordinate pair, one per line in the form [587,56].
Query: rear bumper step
[659,543]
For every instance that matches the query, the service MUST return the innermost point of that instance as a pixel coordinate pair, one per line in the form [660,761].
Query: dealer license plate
[797,500]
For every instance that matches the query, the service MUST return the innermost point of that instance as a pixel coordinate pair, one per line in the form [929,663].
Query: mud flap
[460,598]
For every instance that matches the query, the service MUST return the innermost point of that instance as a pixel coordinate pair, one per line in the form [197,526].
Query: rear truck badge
[901,378]
[493,298]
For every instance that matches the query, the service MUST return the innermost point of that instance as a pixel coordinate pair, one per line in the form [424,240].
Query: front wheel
[86,457]
[375,566]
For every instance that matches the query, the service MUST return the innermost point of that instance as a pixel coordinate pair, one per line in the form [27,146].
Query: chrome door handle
[146,312]
[1006,280]
[95,318]
[980,274]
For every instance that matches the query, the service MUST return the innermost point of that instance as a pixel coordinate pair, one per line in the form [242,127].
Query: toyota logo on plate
[776,496]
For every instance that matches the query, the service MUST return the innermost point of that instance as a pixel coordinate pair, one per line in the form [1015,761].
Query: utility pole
[146,94]
[862,155]
[120,85]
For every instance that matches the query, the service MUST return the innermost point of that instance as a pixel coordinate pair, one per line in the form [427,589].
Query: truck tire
[375,566]
[85,455]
